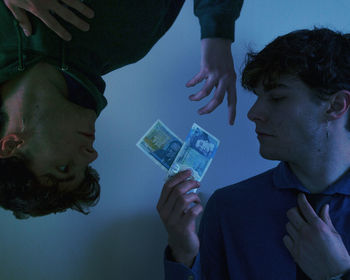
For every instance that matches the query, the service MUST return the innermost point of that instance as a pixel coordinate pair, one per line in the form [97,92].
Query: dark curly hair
[22,193]
[319,57]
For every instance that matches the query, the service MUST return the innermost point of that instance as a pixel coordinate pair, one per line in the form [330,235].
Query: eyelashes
[63,169]
[276,99]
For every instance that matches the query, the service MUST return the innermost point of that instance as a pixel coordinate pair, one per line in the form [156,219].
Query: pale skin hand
[314,243]
[173,201]
[42,8]
[218,70]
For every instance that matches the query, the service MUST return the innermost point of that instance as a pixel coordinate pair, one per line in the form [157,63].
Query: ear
[338,104]
[9,144]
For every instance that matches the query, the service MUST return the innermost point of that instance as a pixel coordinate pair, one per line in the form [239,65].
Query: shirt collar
[284,178]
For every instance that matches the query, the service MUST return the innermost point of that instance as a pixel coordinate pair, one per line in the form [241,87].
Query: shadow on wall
[129,249]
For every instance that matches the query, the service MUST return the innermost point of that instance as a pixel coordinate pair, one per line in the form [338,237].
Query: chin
[270,155]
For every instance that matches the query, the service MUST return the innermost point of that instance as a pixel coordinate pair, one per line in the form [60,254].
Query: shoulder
[251,188]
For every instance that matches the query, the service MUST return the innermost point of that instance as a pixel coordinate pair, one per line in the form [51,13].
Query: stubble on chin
[269,155]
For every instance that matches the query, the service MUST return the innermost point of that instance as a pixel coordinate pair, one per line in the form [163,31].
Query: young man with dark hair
[293,221]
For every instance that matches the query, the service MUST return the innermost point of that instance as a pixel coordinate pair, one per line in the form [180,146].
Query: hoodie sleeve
[217,17]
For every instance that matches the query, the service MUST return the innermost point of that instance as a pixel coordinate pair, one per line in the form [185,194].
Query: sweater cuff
[176,271]
[346,275]
[217,26]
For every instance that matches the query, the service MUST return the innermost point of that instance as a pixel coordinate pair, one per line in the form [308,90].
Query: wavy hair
[319,57]
[22,193]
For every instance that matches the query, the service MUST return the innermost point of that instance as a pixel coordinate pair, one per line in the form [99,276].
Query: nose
[89,153]
[256,112]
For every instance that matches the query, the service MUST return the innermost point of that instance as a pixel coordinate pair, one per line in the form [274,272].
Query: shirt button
[190,277]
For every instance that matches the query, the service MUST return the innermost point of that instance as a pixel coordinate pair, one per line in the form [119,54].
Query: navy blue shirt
[80,95]
[243,225]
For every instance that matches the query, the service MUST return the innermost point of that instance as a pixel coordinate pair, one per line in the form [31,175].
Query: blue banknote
[160,144]
[196,153]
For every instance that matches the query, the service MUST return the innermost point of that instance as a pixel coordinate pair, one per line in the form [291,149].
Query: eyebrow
[280,86]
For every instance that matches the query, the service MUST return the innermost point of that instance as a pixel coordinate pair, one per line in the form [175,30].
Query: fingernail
[26,32]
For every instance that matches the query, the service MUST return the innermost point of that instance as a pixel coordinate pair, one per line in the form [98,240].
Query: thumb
[23,20]
[196,79]
[326,218]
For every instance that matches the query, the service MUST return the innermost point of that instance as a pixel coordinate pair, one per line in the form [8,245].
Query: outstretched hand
[218,70]
[42,8]
[314,243]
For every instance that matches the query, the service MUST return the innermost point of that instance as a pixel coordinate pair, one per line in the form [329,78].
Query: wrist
[216,41]
[180,257]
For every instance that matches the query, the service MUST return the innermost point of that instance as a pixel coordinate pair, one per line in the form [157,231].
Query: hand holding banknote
[179,216]
[186,164]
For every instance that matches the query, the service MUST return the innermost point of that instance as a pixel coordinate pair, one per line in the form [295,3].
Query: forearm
[209,43]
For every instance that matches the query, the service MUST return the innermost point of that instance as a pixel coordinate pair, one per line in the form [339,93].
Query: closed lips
[92,136]
[262,133]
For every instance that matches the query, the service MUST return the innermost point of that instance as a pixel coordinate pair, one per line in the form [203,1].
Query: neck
[319,171]
[19,96]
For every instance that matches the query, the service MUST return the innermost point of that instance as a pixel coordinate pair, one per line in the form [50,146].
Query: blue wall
[123,237]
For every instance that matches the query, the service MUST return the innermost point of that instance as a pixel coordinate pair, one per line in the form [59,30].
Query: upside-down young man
[52,91]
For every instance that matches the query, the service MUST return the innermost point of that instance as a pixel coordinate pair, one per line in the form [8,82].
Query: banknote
[160,144]
[196,153]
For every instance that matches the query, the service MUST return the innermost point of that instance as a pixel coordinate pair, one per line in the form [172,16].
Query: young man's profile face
[288,119]
[54,122]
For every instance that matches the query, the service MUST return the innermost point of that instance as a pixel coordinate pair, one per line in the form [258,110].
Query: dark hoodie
[122,32]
